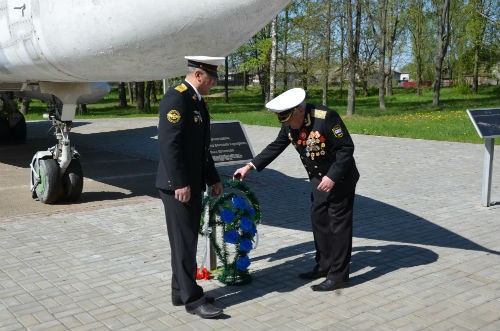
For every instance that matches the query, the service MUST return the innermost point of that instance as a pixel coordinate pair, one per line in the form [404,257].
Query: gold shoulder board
[181,88]
[319,113]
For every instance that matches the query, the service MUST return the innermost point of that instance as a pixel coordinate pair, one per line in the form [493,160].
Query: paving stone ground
[426,254]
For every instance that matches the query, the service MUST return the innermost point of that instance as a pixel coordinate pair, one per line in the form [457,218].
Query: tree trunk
[147,97]
[353,38]
[305,58]
[131,89]
[390,74]
[342,62]
[475,80]
[419,77]
[226,81]
[122,95]
[155,88]
[443,28]
[139,92]
[25,105]
[393,32]
[416,23]
[81,109]
[328,36]
[382,45]
[272,64]
[285,51]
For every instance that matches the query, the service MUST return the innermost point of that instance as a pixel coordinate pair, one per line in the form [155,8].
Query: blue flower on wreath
[246,224]
[253,230]
[239,202]
[238,216]
[246,245]
[231,236]
[243,263]
[227,216]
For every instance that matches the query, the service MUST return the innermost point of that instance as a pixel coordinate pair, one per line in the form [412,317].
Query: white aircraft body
[66,47]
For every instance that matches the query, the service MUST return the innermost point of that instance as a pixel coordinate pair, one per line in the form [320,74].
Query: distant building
[481,80]
[403,76]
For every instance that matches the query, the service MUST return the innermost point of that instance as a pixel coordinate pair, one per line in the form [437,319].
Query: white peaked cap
[286,100]
[210,60]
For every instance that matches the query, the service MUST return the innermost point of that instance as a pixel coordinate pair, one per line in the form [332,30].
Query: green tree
[443,39]
[479,11]
[353,16]
[418,31]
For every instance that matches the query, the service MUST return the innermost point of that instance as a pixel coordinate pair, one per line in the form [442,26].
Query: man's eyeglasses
[285,116]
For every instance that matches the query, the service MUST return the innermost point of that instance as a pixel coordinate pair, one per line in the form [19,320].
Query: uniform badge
[181,88]
[173,116]
[197,117]
[321,114]
[337,131]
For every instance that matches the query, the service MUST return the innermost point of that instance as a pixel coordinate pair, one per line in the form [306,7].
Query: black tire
[48,189]
[72,181]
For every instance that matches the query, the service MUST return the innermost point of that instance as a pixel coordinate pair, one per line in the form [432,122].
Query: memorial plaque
[486,121]
[229,143]
[487,124]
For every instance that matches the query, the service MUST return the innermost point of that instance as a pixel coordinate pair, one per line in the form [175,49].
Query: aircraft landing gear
[64,181]
[56,174]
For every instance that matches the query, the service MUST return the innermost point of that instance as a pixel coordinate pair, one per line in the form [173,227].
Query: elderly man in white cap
[326,151]
[185,168]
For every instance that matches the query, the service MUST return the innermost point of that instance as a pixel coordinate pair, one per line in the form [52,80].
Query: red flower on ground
[202,274]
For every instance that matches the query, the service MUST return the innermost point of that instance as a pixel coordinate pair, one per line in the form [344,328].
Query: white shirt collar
[194,88]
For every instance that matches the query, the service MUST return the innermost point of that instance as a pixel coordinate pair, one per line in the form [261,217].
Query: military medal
[315,144]
[197,117]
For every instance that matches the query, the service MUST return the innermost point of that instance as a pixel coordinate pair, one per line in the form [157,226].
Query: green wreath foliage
[234,216]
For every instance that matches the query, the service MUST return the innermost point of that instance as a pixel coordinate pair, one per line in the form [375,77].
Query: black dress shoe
[206,310]
[328,285]
[176,301]
[312,275]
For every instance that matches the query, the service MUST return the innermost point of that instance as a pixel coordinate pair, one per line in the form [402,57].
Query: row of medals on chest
[314,144]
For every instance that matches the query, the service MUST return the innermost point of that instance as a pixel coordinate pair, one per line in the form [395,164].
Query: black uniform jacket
[184,139]
[325,148]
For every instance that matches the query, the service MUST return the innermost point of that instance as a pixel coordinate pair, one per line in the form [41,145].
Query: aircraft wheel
[73,181]
[48,189]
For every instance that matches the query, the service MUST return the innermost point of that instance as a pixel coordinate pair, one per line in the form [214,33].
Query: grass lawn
[407,115]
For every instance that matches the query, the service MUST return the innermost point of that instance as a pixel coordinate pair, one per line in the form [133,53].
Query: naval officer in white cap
[184,169]
[326,151]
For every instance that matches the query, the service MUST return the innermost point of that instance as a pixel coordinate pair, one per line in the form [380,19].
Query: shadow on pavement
[285,202]
[377,260]
[127,159]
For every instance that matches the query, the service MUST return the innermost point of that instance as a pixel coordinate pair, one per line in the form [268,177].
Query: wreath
[234,215]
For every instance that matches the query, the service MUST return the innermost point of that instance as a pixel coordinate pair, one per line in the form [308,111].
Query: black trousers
[331,218]
[183,223]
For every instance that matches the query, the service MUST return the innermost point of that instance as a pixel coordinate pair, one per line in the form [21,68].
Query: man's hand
[216,189]
[183,194]
[240,173]
[326,184]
